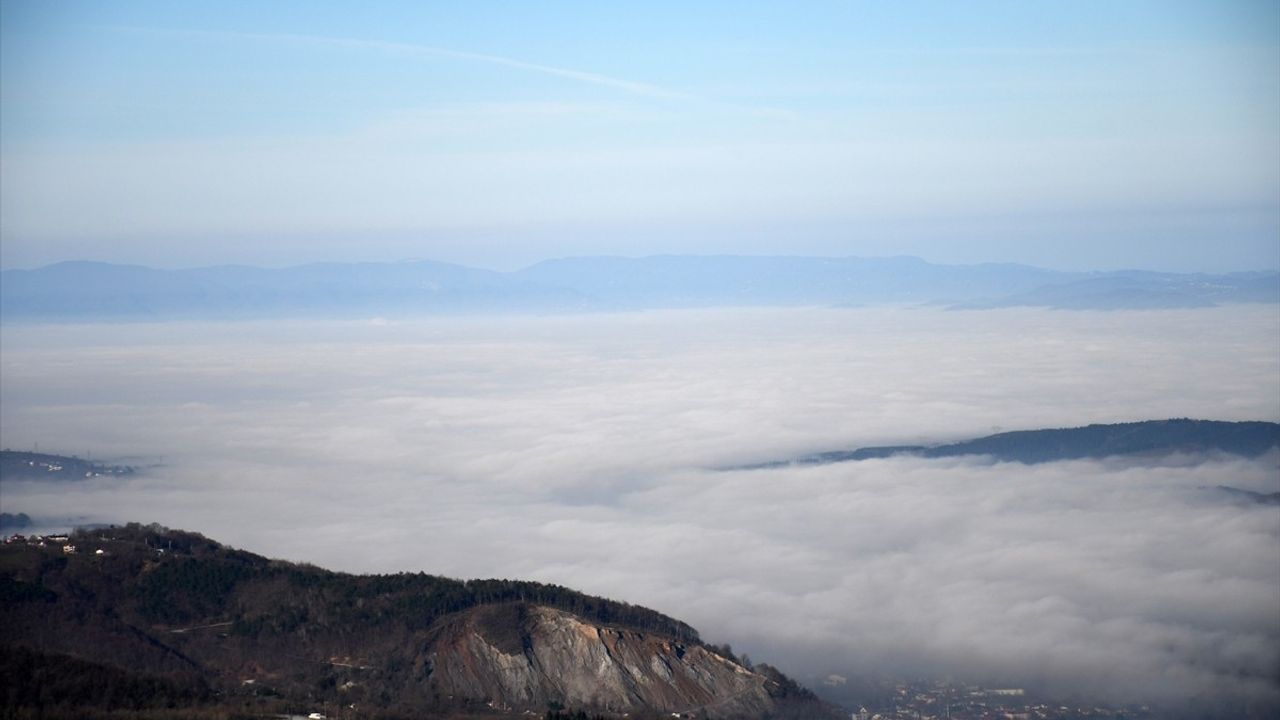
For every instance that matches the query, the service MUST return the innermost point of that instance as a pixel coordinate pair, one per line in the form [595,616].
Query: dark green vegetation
[61,683]
[170,621]
[18,465]
[1152,438]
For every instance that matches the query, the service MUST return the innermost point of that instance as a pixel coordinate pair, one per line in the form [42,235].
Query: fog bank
[581,451]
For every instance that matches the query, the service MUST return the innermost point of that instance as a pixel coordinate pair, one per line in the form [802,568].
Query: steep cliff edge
[527,656]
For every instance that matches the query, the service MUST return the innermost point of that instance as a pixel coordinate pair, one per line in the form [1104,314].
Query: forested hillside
[142,617]
[1149,438]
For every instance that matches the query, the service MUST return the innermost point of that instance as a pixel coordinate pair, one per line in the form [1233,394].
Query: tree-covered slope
[1150,437]
[200,620]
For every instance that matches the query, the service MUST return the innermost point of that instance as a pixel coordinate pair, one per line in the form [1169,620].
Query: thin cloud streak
[415,50]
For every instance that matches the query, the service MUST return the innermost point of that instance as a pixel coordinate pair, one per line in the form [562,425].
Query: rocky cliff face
[527,656]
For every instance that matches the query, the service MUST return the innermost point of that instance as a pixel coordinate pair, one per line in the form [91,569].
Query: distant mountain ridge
[114,618]
[1138,290]
[92,291]
[102,291]
[1149,437]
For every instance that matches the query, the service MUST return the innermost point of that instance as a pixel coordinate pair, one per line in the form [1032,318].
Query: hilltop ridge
[1146,437]
[203,624]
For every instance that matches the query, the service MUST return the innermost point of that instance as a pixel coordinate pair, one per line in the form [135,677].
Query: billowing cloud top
[579,450]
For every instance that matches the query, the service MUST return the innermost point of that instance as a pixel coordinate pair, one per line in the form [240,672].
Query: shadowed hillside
[182,620]
[1151,437]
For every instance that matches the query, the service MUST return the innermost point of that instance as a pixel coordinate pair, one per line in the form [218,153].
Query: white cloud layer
[582,451]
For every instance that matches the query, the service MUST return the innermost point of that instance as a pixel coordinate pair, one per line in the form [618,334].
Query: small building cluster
[941,701]
[38,540]
[62,541]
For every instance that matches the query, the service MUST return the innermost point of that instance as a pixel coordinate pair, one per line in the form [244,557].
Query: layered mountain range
[141,618]
[92,291]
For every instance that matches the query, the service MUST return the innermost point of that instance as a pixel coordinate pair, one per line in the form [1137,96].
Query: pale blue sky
[1073,135]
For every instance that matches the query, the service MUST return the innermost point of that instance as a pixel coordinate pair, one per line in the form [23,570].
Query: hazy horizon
[507,268]
[1088,136]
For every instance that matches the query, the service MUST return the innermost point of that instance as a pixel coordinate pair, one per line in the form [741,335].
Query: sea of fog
[588,451]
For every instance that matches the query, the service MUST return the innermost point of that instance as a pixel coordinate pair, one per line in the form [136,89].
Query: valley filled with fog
[589,451]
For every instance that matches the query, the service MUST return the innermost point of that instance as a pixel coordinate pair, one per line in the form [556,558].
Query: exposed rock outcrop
[528,656]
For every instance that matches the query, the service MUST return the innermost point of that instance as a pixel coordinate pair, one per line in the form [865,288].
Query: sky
[1083,135]
[589,451]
